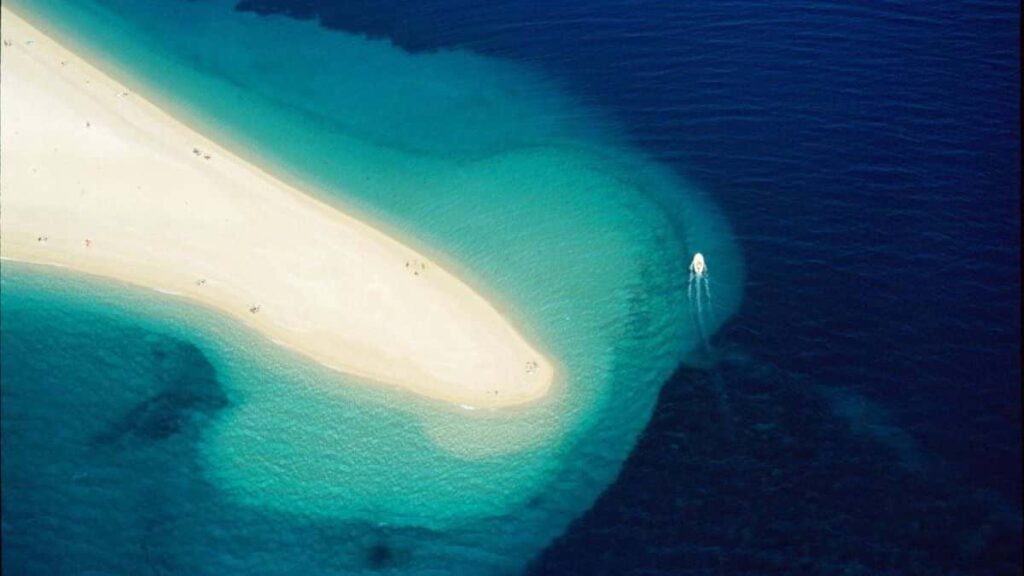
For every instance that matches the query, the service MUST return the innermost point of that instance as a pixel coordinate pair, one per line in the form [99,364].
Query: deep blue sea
[862,415]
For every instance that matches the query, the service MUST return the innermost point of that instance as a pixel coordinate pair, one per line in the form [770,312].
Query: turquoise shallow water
[489,166]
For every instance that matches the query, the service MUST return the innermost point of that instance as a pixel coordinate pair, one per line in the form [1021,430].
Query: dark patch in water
[379,556]
[190,392]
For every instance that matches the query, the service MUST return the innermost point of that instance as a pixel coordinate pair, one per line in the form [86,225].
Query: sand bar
[98,180]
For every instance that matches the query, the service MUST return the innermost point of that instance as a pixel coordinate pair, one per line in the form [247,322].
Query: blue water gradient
[861,415]
[869,156]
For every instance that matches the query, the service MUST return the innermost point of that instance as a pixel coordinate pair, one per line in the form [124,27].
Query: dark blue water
[868,155]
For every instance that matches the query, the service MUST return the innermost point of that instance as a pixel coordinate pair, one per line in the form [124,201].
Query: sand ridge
[98,180]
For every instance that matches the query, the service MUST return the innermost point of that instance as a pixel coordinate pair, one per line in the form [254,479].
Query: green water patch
[492,169]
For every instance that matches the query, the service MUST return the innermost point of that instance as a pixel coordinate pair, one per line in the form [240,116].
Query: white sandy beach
[98,180]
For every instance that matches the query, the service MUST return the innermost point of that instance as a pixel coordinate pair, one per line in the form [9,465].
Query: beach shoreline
[100,181]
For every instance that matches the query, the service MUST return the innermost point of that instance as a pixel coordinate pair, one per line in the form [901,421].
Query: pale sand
[114,187]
